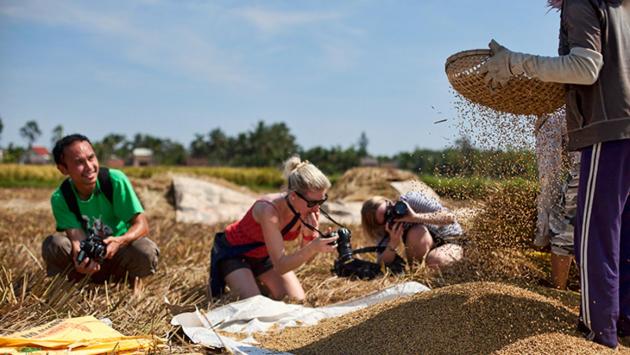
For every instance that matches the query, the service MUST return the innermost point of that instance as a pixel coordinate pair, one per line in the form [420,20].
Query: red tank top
[247,230]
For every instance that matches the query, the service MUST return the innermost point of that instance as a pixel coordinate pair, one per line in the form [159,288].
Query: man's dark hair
[64,142]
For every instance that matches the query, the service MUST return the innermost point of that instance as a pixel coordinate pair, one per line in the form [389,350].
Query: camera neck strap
[308,225]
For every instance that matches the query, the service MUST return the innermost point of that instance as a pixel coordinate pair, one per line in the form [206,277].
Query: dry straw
[521,95]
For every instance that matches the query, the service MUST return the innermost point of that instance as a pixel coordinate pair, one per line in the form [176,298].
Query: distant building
[389,164]
[142,157]
[1,155]
[190,161]
[36,155]
[368,161]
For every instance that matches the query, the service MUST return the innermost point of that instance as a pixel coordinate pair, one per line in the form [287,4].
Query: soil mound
[470,318]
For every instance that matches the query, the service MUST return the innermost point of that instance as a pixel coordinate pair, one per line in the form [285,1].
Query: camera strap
[299,216]
[105,185]
[331,219]
[308,225]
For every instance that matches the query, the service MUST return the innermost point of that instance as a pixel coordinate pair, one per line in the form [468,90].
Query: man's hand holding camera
[86,266]
[113,245]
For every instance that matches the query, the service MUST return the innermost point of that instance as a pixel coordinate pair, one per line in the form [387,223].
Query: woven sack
[521,95]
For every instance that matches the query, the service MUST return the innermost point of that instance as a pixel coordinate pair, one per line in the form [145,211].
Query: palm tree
[30,132]
[57,134]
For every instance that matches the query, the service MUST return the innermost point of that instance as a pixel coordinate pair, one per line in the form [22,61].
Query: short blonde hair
[302,176]
[368,218]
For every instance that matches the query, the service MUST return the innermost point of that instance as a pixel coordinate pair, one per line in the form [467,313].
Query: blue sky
[329,69]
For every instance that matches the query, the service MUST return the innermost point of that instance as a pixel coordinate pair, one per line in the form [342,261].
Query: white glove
[581,66]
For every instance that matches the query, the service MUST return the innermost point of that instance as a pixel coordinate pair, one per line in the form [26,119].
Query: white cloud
[273,21]
[168,47]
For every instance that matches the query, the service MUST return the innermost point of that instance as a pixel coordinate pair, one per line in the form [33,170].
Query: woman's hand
[325,245]
[396,231]
[410,217]
[313,219]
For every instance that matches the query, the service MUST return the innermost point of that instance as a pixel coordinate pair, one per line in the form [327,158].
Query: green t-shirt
[115,219]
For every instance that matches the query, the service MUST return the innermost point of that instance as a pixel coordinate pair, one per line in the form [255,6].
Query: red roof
[39,150]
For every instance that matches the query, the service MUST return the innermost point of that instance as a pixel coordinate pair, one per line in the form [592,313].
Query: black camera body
[397,210]
[344,247]
[93,248]
[346,265]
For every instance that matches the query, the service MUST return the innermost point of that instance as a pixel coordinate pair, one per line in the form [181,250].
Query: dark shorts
[258,266]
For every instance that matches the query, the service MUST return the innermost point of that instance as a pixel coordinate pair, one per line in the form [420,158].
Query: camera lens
[344,248]
[400,209]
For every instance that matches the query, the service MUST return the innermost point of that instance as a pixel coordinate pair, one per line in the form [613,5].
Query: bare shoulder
[265,210]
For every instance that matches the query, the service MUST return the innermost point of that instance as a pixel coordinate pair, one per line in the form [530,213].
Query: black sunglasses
[311,204]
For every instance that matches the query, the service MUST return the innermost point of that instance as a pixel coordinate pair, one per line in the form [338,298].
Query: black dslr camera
[397,210]
[347,265]
[93,248]
[344,248]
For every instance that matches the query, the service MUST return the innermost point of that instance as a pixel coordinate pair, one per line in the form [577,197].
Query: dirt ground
[492,302]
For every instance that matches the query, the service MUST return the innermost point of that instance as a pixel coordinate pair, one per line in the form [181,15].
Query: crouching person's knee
[57,254]
[142,258]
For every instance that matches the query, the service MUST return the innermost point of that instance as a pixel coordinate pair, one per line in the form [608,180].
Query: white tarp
[259,314]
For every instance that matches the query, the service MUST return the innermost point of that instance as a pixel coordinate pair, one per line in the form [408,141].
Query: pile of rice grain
[471,318]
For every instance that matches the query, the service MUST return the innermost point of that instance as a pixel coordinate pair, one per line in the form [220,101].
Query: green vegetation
[14,175]
[270,144]
[474,187]
[460,188]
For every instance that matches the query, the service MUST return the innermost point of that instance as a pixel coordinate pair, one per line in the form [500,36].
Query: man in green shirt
[109,207]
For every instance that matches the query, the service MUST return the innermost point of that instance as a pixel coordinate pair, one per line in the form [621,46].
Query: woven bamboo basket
[521,95]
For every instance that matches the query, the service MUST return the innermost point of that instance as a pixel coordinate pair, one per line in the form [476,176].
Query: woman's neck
[289,205]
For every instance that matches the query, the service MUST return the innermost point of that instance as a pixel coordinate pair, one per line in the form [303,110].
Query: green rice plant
[473,187]
[255,178]
[459,188]
[17,175]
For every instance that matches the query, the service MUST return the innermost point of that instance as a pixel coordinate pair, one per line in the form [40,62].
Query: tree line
[270,144]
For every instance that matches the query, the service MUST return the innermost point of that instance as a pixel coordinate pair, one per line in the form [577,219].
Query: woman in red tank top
[251,250]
